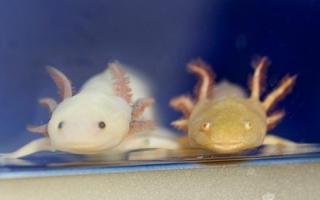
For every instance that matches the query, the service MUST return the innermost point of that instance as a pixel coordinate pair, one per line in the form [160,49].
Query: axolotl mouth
[86,147]
[83,148]
[226,147]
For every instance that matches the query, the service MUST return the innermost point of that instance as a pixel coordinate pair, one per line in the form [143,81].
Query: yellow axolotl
[222,118]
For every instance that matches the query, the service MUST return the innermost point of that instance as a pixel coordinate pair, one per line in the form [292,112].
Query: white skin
[223,119]
[98,118]
[101,126]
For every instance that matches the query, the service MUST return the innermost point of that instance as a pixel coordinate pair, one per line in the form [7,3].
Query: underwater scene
[121,83]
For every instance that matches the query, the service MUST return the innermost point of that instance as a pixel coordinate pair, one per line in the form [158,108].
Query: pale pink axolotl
[96,119]
[222,118]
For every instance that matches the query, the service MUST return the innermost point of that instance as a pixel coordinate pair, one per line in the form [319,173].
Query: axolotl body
[222,118]
[96,119]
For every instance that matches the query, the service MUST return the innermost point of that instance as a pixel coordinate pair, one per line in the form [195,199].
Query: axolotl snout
[223,118]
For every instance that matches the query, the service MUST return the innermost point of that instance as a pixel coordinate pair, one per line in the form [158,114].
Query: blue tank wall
[158,37]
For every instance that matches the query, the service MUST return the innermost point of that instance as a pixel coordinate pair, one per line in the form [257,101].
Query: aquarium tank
[154,42]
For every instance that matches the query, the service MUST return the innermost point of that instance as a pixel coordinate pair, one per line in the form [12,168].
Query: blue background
[159,37]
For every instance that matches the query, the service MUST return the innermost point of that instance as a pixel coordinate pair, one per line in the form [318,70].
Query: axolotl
[96,119]
[222,118]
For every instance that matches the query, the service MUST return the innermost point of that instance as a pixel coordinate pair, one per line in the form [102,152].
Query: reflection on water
[48,160]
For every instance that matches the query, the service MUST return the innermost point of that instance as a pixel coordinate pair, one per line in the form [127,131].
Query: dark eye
[101,125]
[60,126]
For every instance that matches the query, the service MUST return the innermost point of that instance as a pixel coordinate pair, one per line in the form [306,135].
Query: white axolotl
[223,119]
[98,118]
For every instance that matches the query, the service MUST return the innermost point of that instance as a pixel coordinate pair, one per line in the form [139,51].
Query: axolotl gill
[223,118]
[96,119]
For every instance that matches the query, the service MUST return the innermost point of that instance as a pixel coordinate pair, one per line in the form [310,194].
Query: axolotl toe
[223,118]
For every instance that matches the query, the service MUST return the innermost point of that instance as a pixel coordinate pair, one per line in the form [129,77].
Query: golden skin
[222,126]
[222,118]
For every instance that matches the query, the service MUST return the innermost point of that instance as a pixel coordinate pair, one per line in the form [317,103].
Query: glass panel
[156,39]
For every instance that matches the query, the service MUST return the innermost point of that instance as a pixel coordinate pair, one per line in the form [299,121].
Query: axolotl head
[228,126]
[84,124]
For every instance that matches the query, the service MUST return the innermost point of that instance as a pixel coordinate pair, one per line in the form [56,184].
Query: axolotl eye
[248,125]
[205,126]
[60,126]
[101,125]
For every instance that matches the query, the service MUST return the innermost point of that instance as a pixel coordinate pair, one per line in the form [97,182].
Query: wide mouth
[86,147]
[81,148]
[226,146]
